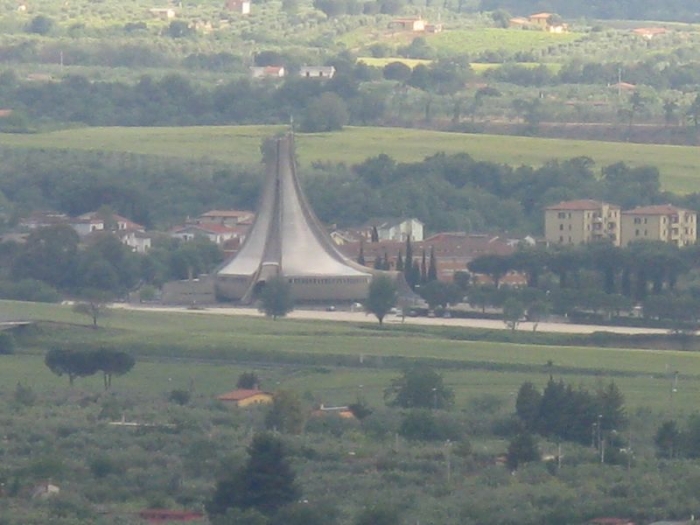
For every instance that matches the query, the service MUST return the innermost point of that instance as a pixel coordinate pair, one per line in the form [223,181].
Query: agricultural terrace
[330,359]
[241,145]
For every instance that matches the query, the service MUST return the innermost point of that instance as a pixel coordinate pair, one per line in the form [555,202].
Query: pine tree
[387,264]
[375,234]
[423,269]
[432,266]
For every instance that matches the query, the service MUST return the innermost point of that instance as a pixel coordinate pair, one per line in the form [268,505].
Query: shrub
[180,396]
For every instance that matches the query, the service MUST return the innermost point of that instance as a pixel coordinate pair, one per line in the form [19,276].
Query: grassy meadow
[241,145]
[330,362]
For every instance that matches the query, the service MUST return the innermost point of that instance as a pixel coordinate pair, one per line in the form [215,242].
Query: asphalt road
[347,316]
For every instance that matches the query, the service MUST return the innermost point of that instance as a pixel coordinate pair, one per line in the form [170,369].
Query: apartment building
[659,223]
[582,221]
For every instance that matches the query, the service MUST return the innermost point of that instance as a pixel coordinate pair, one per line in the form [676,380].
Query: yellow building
[582,221]
[659,223]
[244,398]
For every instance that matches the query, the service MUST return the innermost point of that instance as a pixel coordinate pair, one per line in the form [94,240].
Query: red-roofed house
[453,250]
[244,397]
[581,221]
[227,217]
[662,222]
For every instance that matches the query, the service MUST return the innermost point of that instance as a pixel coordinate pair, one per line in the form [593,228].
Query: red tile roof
[659,209]
[579,205]
[241,394]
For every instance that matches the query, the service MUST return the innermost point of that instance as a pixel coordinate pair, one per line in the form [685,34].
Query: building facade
[582,221]
[659,223]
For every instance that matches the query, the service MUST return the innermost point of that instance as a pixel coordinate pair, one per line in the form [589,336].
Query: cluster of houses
[378,238]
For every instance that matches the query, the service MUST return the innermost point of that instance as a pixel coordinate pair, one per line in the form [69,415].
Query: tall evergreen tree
[399,263]
[265,483]
[375,234]
[432,266]
[423,269]
[387,264]
[415,274]
[361,257]
[408,265]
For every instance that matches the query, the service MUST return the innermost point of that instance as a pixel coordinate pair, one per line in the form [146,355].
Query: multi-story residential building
[663,222]
[581,221]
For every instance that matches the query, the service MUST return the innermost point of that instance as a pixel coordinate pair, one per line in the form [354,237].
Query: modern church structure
[288,240]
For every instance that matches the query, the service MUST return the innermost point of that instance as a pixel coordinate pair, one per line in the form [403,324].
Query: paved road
[347,316]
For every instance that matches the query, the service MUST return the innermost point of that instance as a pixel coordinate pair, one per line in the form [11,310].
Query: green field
[175,349]
[462,41]
[241,145]
[472,41]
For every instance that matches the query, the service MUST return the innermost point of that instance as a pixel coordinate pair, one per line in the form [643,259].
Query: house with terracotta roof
[582,221]
[227,217]
[43,219]
[662,222]
[246,397]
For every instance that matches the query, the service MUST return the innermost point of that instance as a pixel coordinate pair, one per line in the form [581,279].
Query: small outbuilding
[246,397]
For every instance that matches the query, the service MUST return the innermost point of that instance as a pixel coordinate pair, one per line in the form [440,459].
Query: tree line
[53,257]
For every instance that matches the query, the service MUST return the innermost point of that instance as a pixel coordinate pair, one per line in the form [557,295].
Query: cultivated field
[329,361]
[241,145]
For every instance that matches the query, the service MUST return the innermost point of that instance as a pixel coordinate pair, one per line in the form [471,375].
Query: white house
[228,218]
[394,229]
[84,225]
[138,241]
[317,71]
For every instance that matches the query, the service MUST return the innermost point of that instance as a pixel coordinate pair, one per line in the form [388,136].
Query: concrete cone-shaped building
[287,240]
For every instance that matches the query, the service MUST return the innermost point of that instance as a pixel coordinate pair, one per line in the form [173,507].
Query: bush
[180,396]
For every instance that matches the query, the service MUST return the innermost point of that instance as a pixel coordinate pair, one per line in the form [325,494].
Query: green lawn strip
[332,386]
[251,339]
[241,145]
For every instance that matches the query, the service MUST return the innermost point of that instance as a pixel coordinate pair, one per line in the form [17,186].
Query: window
[637,220]
[636,233]
[561,238]
[645,233]
[561,215]
[561,227]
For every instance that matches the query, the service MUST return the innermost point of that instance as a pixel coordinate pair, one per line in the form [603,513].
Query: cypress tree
[423,269]
[399,263]
[415,274]
[432,267]
[408,265]
[361,257]
[387,264]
